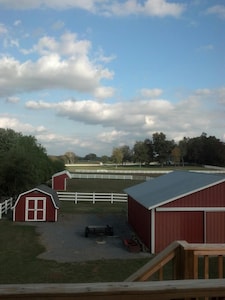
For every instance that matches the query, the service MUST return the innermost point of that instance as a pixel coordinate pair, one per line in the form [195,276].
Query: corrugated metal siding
[210,197]
[139,218]
[215,227]
[171,226]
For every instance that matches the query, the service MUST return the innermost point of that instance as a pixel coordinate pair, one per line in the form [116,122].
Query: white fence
[92,197]
[5,206]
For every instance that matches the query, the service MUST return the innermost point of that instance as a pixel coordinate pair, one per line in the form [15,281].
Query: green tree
[23,163]
[176,155]
[141,152]
[162,147]
[117,155]
[91,157]
[127,154]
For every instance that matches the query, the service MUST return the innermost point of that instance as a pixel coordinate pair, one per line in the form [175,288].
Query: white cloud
[126,122]
[13,99]
[17,23]
[62,63]
[218,10]
[7,121]
[3,29]
[151,93]
[158,8]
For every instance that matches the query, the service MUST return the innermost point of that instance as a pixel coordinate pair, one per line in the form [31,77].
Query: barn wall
[171,226]
[215,227]
[139,218]
[59,182]
[210,197]
[20,210]
[51,211]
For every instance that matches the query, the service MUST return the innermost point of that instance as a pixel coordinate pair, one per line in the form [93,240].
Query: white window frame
[35,209]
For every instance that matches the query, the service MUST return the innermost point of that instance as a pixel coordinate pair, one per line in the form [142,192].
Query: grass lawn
[100,185]
[97,208]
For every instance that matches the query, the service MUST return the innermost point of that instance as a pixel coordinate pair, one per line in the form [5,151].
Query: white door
[35,209]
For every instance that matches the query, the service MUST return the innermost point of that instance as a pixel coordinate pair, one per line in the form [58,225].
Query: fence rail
[167,290]
[5,206]
[92,197]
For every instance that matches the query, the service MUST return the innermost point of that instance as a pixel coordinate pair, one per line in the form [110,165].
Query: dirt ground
[65,240]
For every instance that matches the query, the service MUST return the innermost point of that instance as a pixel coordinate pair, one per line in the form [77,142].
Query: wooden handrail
[165,290]
[185,258]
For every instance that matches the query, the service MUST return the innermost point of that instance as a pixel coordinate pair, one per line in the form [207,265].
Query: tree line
[203,150]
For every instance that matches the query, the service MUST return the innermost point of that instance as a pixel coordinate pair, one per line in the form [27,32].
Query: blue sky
[89,75]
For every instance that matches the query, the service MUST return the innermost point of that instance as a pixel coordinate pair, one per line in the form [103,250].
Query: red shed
[59,180]
[38,204]
[178,206]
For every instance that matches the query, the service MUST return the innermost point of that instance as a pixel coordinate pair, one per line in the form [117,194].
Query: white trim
[61,173]
[35,209]
[34,190]
[186,194]
[190,209]
[152,231]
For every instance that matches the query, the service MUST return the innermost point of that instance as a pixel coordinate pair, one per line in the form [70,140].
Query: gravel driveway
[65,240]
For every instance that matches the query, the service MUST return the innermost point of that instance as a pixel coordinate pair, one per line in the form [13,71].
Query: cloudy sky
[89,75]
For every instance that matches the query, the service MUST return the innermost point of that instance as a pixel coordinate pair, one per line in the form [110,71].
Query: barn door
[35,209]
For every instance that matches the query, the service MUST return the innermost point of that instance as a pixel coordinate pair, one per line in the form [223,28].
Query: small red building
[59,180]
[38,204]
[178,206]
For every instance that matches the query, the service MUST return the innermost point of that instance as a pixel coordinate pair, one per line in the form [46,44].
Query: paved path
[65,240]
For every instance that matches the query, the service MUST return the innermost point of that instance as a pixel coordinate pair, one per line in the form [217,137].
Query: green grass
[73,169]
[100,185]
[20,247]
[97,208]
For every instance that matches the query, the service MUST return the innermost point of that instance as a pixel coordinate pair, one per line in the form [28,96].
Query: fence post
[112,198]
[75,197]
[93,198]
[0,210]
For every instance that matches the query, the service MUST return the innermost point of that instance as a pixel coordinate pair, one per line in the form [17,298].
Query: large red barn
[38,204]
[178,206]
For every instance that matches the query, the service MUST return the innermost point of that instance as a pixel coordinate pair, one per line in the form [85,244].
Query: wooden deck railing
[163,290]
[186,259]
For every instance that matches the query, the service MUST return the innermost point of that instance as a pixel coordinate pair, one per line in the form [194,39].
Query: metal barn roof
[166,188]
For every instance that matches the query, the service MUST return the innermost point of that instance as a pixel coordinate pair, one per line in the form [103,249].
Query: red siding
[59,182]
[139,218]
[215,227]
[171,226]
[210,197]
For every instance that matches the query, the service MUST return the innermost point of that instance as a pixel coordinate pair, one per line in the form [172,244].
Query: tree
[176,155]
[91,157]
[117,155]
[23,163]
[140,152]
[70,157]
[183,144]
[162,147]
[127,154]
[206,150]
